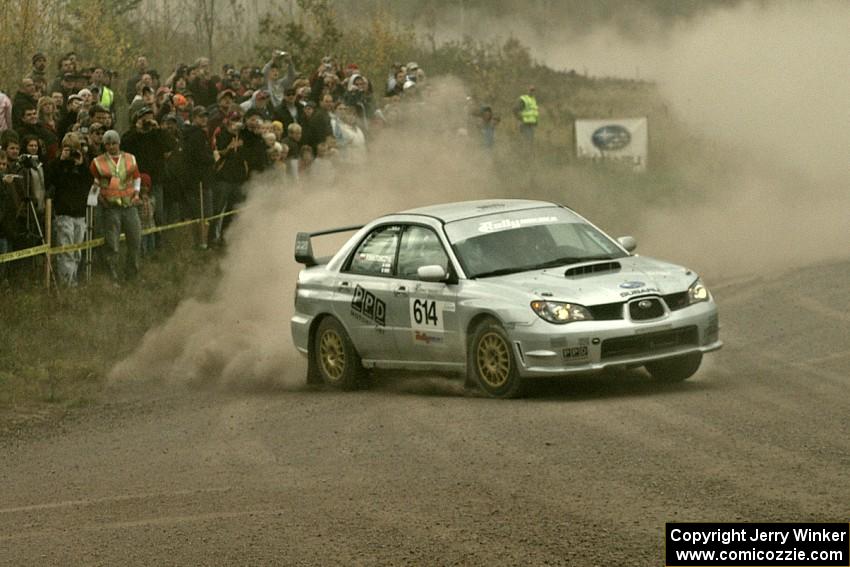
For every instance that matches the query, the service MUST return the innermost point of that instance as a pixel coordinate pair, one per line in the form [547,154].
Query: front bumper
[544,349]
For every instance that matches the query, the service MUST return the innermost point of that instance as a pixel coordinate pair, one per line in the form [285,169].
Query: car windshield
[532,239]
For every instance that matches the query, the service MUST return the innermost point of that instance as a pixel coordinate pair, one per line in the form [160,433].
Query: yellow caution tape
[74,247]
[44,249]
[25,253]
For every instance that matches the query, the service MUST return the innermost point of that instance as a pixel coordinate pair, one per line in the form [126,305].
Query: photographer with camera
[69,180]
[231,171]
[91,138]
[30,166]
[149,144]
[275,84]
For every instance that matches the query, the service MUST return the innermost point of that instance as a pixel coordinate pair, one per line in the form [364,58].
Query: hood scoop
[586,269]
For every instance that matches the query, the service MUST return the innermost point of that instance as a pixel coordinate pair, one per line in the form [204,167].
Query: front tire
[491,362]
[675,369]
[335,358]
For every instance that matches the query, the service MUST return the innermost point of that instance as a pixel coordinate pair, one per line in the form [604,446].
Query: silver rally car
[499,291]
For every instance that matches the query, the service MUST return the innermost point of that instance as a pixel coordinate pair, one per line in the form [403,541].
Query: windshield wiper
[502,272]
[567,260]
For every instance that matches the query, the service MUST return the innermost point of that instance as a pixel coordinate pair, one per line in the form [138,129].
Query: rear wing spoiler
[304,245]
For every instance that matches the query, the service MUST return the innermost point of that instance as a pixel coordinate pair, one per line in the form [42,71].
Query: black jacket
[8,211]
[282,113]
[232,165]
[149,148]
[254,150]
[197,155]
[19,103]
[69,186]
[317,129]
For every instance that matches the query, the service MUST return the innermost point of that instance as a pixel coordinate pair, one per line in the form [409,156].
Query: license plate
[575,353]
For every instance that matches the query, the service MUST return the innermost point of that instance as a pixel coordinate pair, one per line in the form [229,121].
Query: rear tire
[334,356]
[675,369]
[491,362]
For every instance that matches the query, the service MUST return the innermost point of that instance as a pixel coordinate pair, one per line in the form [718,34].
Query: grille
[640,311]
[650,342]
[607,311]
[592,269]
[676,300]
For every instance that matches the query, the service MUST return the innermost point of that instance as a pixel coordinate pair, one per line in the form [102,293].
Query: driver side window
[420,246]
[376,254]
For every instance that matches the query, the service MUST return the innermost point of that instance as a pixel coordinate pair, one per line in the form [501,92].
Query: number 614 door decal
[427,314]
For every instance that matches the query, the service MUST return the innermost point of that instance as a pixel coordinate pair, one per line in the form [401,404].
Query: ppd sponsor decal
[611,137]
[365,305]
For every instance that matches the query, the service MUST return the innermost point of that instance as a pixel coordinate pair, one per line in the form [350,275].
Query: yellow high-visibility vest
[106,97]
[529,112]
[116,179]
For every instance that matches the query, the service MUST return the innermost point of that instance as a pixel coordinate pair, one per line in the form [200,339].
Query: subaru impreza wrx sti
[499,291]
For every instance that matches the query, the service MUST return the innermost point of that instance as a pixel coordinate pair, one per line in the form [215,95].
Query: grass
[57,348]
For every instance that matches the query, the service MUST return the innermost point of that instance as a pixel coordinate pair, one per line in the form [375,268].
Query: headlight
[560,313]
[697,292]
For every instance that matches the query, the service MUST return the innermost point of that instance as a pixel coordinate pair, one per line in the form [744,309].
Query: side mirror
[628,242]
[433,273]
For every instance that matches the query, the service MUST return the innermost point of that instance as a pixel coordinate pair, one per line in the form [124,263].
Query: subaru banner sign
[624,140]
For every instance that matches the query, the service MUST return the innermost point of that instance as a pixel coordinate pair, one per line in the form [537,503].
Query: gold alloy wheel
[493,360]
[332,354]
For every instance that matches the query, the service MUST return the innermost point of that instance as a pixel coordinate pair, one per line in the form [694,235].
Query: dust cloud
[240,339]
[757,94]
[765,87]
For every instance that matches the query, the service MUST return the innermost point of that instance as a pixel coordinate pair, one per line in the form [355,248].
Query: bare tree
[205,23]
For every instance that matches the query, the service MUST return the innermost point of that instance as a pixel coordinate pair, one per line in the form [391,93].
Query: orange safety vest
[116,179]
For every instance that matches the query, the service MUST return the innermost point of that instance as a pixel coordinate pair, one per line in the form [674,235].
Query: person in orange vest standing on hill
[117,183]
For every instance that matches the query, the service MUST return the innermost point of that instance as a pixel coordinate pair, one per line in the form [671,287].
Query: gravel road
[415,472]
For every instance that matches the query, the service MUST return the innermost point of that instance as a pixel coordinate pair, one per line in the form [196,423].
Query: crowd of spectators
[195,137]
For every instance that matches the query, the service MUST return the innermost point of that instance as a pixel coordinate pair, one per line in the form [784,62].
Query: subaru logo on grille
[645,304]
[631,285]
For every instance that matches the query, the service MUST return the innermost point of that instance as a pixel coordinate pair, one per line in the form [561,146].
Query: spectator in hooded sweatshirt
[275,84]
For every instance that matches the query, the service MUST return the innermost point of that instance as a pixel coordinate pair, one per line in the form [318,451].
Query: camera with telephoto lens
[28,161]
[147,125]
[75,155]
